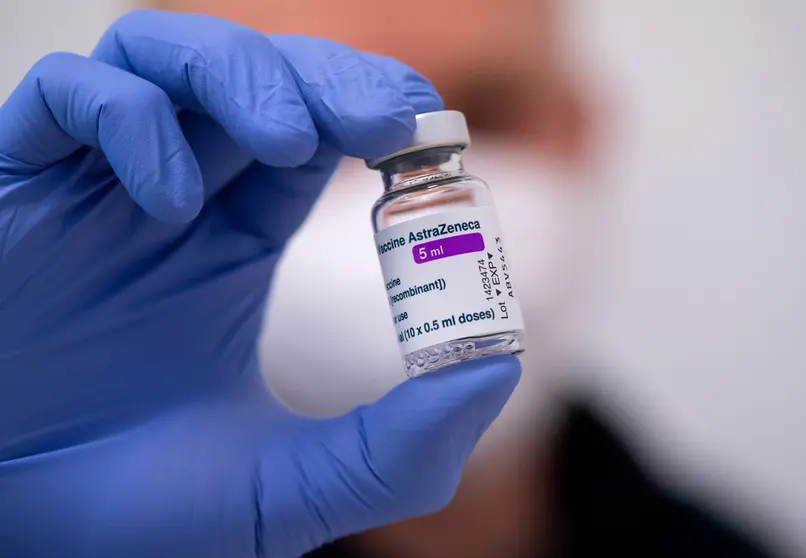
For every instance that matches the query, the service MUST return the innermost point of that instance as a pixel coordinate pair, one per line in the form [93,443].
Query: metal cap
[443,128]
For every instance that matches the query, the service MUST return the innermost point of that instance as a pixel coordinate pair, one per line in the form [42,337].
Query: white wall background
[705,319]
[29,29]
[706,316]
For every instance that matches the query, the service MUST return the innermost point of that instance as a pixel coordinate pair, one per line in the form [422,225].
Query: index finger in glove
[67,101]
[360,103]
[217,67]
[272,95]
[363,104]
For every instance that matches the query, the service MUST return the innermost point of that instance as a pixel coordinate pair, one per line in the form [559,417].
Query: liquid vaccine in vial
[448,280]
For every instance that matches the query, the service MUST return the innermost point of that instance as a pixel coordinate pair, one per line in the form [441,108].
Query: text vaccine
[448,278]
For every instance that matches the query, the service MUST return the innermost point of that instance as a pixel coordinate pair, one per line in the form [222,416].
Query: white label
[447,277]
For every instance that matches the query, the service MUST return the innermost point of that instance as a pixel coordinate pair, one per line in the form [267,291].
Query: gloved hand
[137,244]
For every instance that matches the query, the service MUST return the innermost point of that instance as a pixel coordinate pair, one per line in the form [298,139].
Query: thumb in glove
[398,458]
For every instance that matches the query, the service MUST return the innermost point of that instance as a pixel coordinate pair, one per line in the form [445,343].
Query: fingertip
[178,213]
[174,195]
[149,152]
[376,133]
[501,372]
[355,105]
[366,119]
[184,195]
[271,118]
[432,423]
[479,388]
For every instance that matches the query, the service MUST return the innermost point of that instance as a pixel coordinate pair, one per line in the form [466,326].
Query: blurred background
[685,125]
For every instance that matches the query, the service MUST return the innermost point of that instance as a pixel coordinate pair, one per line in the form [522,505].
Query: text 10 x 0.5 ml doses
[448,280]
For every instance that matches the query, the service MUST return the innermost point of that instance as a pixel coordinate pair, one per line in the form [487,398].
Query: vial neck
[413,169]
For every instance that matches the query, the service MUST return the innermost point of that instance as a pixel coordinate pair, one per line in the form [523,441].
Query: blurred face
[497,61]
[500,62]
[435,36]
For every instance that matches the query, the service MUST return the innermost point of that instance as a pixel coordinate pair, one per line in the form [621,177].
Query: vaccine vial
[448,279]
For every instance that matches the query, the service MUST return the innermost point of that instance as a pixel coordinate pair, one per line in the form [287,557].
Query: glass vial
[448,280]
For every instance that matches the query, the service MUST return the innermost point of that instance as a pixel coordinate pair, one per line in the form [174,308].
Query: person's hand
[136,248]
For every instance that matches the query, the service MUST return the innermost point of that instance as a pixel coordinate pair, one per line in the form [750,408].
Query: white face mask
[329,343]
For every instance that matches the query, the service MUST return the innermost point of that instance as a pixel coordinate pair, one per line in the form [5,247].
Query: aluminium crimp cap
[442,128]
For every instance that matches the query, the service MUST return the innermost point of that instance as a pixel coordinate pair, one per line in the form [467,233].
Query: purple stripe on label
[447,247]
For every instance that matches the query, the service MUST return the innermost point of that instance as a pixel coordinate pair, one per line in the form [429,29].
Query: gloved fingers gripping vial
[443,258]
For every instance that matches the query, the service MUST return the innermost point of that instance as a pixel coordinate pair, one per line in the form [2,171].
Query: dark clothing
[605,505]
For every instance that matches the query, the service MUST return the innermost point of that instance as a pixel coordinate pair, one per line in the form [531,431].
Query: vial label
[447,277]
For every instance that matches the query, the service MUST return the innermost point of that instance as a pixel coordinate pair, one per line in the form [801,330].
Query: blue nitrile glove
[136,250]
